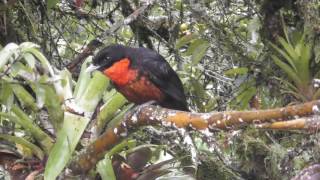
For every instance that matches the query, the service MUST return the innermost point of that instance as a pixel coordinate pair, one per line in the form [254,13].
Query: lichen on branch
[155,115]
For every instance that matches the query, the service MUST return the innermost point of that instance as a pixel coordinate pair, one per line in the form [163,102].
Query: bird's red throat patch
[120,73]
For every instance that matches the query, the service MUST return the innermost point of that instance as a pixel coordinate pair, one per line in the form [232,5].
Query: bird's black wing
[163,76]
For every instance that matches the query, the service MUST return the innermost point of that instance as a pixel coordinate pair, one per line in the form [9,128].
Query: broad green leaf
[74,125]
[29,58]
[288,84]
[28,47]
[19,140]
[298,48]
[24,96]
[245,97]
[40,94]
[83,80]
[9,51]
[51,3]
[194,45]
[305,63]
[245,85]
[93,93]
[64,87]
[6,95]
[301,35]
[291,89]
[199,52]
[67,139]
[292,75]
[296,94]
[236,71]
[286,56]
[316,50]
[105,169]
[124,145]
[244,94]
[24,120]
[185,40]
[104,166]
[211,104]
[53,105]
[109,94]
[178,5]
[18,69]
[289,49]
[108,110]
[119,117]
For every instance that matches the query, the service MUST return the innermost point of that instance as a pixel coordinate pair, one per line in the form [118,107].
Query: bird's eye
[108,58]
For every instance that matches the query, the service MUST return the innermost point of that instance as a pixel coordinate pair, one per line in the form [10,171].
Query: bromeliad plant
[30,85]
[294,59]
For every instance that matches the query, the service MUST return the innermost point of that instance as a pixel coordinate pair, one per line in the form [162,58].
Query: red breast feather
[120,73]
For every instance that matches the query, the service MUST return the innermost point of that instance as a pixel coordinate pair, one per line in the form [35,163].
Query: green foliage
[7,54]
[47,93]
[185,40]
[294,60]
[51,3]
[26,144]
[6,96]
[215,46]
[69,105]
[197,48]
[53,105]
[105,169]
[43,139]
[67,139]
[236,71]
[109,109]
[246,92]
[24,96]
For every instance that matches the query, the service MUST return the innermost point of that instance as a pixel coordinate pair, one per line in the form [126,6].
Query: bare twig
[84,14]
[98,41]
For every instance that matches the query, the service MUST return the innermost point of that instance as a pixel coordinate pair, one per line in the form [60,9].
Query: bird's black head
[109,55]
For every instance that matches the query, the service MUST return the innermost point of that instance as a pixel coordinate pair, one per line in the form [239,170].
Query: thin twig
[101,38]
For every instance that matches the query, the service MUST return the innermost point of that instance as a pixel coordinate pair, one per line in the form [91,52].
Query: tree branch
[308,123]
[155,115]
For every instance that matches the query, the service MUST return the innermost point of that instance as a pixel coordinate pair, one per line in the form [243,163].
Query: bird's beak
[91,68]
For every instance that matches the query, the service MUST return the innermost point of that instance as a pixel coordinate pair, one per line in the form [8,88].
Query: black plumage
[151,65]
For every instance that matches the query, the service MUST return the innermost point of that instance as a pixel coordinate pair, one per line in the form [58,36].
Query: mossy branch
[155,115]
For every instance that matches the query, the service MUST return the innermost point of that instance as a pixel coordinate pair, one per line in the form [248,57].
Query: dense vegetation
[229,54]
